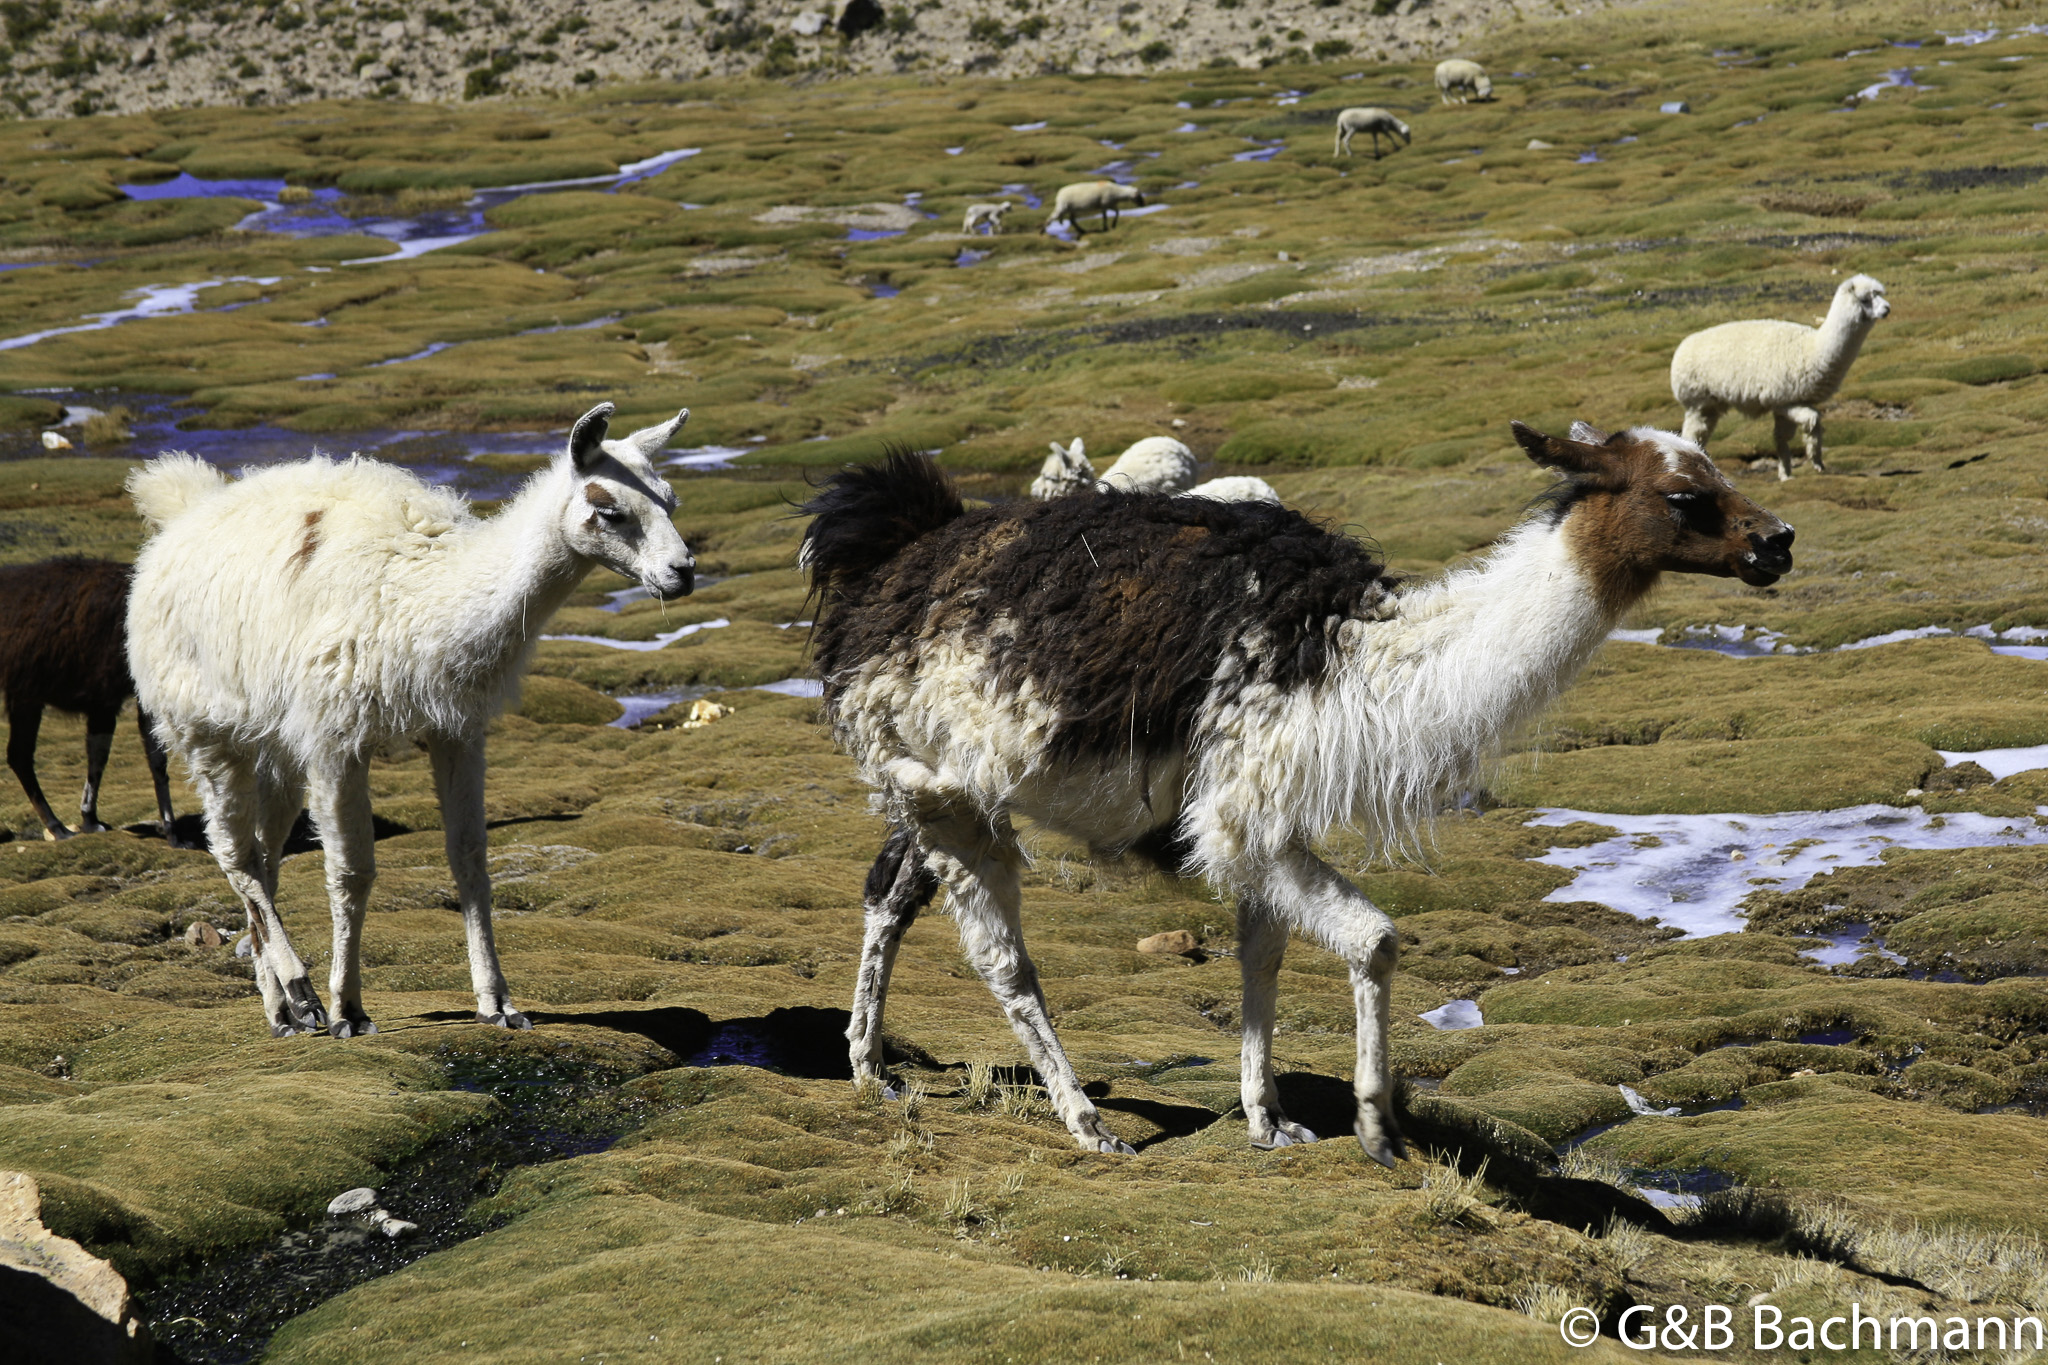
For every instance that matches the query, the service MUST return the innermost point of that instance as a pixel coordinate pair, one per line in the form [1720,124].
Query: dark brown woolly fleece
[64,635]
[1119,607]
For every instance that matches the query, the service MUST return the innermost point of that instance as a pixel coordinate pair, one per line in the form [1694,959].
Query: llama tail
[866,514]
[167,485]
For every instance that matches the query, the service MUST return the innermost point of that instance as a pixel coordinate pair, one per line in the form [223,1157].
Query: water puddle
[150,301]
[1845,945]
[1588,157]
[1899,79]
[1265,151]
[884,291]
[661,641]
[1027,127]
[1023,191]
[643,705]
[854,234]
[1760,642]
[968,257]
[1692,871]
[1455,1014]
[226,1312]
[2001,763]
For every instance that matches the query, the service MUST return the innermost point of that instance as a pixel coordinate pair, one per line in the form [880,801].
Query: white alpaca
[1781,368]
[1464,79]
[1153,464]
[1351,122]
[986,215]
[285,627]
[1235,488]
[1105,197]
[1214,686]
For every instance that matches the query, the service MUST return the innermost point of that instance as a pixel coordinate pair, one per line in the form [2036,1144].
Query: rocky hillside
[76,57]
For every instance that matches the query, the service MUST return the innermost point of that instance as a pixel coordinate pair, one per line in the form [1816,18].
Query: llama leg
[1782,428]
[99,742]
[898,887]
[459,782]
[980,863]
[1261,939]
[24,722]
[237,823]
[1699,425]
[160,778]
[1313,897]
[341,812]
[1809,432]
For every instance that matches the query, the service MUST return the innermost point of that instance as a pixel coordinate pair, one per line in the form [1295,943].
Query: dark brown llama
[63,643]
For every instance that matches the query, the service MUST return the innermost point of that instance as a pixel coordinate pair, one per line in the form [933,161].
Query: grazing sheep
[1373,121]
[1235,488]
[1066,470]
[1105,197]
[63,636]
[287,626]
[986,215]
[1213,686]
[1466,80]
[1781,368]
[1156,464]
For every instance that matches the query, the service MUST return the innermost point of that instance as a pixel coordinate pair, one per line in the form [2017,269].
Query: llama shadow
[50,1326]
[190,830]
[796,1041]
[1172,1120]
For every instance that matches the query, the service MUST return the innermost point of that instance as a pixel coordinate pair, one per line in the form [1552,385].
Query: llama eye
[1681,499]
[611,516]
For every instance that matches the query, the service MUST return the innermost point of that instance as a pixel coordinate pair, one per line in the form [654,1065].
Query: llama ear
[586,438]
[649,440]
[1589,434]
[1570,457]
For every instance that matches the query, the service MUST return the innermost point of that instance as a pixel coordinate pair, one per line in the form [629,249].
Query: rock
[55,440]
[245,946]
[1172,943]
[357,1201]
[1537,144]
[392,1227]
[376,71]
[392,32]
[807,24]
[63,1303]
[1674,107]
[200,934]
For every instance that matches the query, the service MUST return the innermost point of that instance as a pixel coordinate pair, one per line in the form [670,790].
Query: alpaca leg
[1699,425]
[1808,420]
[1313,897]
[160,778]
[898,887]
[1261,939]
[238,821]
[99,742]
[459,782]
[1782,429]
[24,722]
[980,863]
[341,812]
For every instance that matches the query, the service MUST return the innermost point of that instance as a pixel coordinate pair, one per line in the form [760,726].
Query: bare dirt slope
[73,57]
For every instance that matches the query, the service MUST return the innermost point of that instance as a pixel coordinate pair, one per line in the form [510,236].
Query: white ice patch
[1642,1106]
[1666,1200]
[1454,1015]
[1692,871]
[658,642]
[151,301]
[795,687]
[2001,763]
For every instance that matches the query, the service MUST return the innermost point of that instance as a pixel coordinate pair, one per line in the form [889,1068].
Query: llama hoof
[1382,1144]
[1284,1134]
[304,1007]
[92,827]
[510,1019]
[355,1026]
[51,836]
[1112,1146]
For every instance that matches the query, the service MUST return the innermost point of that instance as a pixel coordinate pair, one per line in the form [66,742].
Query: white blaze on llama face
[620,514]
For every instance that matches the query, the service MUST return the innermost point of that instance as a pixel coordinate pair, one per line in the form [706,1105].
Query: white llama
[285,627]
[1213,685]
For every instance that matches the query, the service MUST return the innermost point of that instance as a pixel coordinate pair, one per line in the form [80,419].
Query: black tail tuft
[863,517]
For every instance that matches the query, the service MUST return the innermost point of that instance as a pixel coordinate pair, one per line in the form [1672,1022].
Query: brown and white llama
[1213,685]
[63,644]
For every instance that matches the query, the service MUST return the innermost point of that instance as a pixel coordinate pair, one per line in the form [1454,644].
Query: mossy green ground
[654,884]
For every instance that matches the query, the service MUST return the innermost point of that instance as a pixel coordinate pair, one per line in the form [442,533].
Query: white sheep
[1105,197]
[1466,80]
[1235,488]
[1781,368]
[1369,120]
[1156,464]
[986,215]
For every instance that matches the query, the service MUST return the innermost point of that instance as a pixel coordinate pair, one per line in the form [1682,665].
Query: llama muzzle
[1769,558]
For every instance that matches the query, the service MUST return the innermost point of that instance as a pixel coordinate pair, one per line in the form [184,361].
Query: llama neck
[1841,338]
[511,573]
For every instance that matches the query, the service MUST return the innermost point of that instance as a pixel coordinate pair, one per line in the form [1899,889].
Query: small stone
[1738,856]
[55,440]
[1179,422]
[1172,943]
[393,1227]
[1537,144]
[1674,107]
[1285,257]
[200,934]
[357,1201]
[806,25]
[1804,1071]
[245,946]
[1914,793]
[392,31]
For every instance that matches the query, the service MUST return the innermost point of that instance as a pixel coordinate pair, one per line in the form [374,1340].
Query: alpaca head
[1863,298]
[1482,87]
[1066,470]
[1643,502]
[618,513]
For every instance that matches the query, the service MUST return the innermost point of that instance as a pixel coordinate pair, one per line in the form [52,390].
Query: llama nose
[1774,551]
[685,572]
